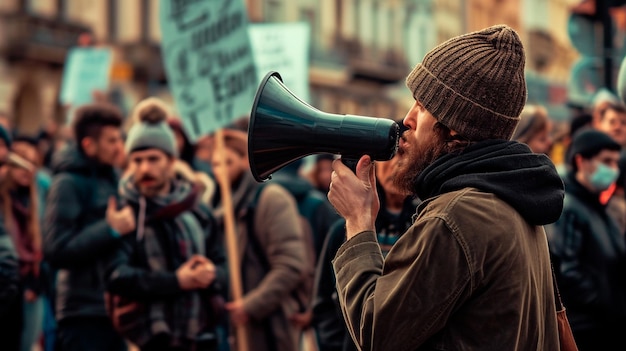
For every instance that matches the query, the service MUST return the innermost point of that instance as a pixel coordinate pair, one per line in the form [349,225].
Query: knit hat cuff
[457,112]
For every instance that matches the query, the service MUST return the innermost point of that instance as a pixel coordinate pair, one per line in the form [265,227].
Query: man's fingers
[198,259]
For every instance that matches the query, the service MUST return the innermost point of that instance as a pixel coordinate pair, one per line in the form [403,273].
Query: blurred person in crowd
[28,148]
[11,313]
[172,267]
[473,271]
[577,123]
[393,219]
[320,172]
[186,149]
[535,129]
[20,206]
[312,203]
[317,217]
[612,120]
[588,250]
[186,164]
[78,234]
[271,248]
[601,99]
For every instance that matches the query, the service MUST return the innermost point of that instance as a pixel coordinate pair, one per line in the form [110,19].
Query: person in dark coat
[588,250]
[77,233]
[171,269]
[10,293]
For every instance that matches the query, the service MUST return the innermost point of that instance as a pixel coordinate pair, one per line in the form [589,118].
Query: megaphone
[283,129]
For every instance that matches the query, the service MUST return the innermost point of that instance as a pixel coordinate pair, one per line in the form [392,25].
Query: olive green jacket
[470,274]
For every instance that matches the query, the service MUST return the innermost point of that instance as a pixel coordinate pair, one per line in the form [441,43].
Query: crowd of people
[113,235]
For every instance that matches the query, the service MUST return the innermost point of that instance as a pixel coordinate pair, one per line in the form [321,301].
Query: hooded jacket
[76,237]
[473,271]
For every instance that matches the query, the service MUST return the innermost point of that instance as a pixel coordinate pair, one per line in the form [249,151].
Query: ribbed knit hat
[150,129]
[474,83]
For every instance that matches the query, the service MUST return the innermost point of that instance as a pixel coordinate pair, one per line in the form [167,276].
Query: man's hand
[122,221]
[237,313]
[197,273]
[354,196]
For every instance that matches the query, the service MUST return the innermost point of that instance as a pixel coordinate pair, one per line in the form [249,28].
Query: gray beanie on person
[150,129]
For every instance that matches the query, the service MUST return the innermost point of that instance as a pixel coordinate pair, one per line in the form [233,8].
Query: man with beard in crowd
[79,232]
[473,271]
[169,271]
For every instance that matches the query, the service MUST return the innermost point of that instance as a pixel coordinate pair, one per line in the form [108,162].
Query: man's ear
[88,144]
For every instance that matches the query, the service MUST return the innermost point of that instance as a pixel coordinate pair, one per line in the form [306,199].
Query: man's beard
[151,190]
[416,159]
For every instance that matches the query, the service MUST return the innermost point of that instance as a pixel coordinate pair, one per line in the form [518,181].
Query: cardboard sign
[86,71]
[283,47]
[209,62]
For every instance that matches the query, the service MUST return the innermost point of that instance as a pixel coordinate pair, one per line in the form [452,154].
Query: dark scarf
[526,181]
[182,319]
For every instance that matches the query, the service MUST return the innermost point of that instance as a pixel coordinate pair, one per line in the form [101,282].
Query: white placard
[283,47]
[86,70]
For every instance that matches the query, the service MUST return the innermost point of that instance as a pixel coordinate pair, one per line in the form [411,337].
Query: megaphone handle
[351,163]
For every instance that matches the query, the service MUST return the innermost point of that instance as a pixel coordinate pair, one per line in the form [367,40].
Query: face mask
[603,177]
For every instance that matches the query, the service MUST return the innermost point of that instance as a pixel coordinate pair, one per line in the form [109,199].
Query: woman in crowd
[20,205]
[535,129]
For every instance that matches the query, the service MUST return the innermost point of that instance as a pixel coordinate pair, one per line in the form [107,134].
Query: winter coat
[473,271]
[76,237]
[267,295]
[590,259]
[129,270]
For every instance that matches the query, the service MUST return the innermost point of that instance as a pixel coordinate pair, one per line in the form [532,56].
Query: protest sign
[208,60]
[283,47]
[86,72]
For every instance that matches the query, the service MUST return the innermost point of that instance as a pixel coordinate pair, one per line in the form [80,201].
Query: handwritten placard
[209,61]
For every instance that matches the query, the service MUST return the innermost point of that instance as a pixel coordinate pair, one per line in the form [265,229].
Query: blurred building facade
[361,50]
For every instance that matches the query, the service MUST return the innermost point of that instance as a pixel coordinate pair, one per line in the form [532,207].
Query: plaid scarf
[180,318]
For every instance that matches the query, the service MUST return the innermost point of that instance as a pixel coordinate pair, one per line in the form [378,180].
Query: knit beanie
[590,142]
[150,129]
[474,83]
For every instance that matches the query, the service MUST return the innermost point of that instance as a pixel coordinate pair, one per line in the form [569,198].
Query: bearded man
[473,271]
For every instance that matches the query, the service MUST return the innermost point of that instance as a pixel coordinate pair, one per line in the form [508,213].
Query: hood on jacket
[71,159]
[528,182]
